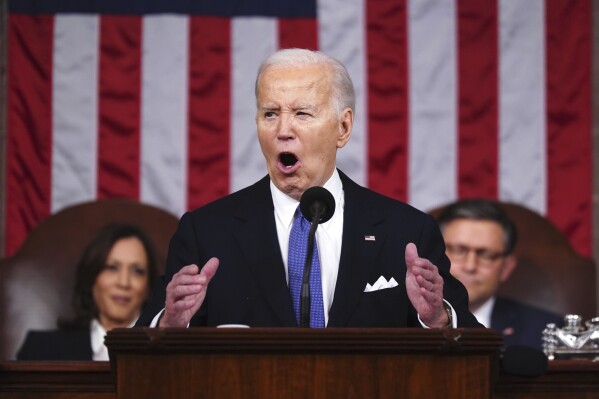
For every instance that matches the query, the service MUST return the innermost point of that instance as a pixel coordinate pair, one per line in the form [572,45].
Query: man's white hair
[343,95]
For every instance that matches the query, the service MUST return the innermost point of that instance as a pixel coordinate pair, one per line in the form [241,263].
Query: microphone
[317,202]
[523,361]
[318,206]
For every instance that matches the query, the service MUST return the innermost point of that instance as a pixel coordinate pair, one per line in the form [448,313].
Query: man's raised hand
[186,292]
[424,285]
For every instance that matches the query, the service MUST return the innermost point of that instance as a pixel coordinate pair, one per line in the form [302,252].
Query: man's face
[476,251]
[298,129]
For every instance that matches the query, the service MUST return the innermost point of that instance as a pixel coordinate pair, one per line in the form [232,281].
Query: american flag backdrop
[154,100]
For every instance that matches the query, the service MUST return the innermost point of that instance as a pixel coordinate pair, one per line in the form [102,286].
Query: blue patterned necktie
[298,249]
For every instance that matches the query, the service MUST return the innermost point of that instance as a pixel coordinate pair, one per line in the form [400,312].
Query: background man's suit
[250,286]
[519,323]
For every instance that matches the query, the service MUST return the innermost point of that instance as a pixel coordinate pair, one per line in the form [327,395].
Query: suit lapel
[363,238]
[258,240]
[504,320]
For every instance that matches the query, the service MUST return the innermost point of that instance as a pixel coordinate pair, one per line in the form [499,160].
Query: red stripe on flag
[298,32]
[209,106]
[119,106]
[29,142]
[387,97]
[569,146]
[478,98]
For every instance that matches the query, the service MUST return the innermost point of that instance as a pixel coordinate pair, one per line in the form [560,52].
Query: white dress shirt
[97,331]
[97,334]
[483,313]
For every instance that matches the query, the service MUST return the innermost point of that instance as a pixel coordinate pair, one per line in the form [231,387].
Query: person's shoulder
[257,193]
[529,311]
[36,334]
[56,345]
[56,334]
[366,197]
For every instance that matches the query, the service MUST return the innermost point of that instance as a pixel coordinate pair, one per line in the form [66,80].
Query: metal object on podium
[574,340]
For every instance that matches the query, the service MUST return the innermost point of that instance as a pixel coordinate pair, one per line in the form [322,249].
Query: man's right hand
[186,292]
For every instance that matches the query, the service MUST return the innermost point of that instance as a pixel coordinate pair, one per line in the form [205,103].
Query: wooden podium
[303,363]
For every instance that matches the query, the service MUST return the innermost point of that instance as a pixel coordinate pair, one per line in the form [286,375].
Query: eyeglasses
[459,252]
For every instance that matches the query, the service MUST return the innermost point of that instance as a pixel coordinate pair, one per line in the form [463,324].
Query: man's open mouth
[288,159]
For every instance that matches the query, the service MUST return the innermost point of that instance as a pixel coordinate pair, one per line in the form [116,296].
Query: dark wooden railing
[276,363]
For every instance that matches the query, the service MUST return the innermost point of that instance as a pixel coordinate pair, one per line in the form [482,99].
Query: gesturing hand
[186,292]
[425,289]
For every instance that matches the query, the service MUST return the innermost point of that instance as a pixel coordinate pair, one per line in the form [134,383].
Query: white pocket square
[381,284]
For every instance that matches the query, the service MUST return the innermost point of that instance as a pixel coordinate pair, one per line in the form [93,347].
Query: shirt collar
[285,206]
[97,335]
[483,313]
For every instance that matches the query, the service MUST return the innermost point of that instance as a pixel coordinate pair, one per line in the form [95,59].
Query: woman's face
[122,286]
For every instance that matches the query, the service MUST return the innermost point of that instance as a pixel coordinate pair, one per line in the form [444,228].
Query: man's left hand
[424,285]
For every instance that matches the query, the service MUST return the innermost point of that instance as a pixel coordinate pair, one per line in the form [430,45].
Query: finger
[185,279]
[424,283]
[183,305]
[422,265]
[411,254]
[429,274]
[435,285]
[188,270]
[184,274]
[181,286]
[181,291]
[209,270]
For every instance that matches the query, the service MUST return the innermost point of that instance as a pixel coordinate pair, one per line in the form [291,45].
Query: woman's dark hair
[91,264]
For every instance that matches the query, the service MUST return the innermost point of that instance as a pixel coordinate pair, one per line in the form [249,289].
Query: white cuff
[454,318]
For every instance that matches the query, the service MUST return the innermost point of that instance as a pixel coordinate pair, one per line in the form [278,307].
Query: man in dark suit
[480,241]
[382,262]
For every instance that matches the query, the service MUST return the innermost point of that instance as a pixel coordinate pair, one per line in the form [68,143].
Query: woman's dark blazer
[56,345]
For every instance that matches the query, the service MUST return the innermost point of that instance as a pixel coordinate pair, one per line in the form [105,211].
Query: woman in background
[114,276]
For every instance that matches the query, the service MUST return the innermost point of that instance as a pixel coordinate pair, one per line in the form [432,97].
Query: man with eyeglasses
[480,241]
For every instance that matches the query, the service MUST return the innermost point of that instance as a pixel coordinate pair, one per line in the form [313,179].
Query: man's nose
[470,262]
[286,127]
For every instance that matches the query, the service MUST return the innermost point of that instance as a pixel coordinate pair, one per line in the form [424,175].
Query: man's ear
[346,123]
[509,264]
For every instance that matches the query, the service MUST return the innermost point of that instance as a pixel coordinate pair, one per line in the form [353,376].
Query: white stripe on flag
[341,34]
[522,140]
[165,62]
[74,110]
[253,39]
[432,111]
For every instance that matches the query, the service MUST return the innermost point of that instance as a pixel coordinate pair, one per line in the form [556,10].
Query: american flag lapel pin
[369,238]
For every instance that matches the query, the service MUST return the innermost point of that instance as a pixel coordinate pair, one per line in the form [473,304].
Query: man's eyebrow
[294,108]
[303,107]
[269,107]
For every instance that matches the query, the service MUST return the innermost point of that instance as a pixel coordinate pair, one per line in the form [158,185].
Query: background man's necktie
[298,248]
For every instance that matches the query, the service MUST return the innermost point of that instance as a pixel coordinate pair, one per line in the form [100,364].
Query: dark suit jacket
[521,324]
[56,345]
[250,286]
